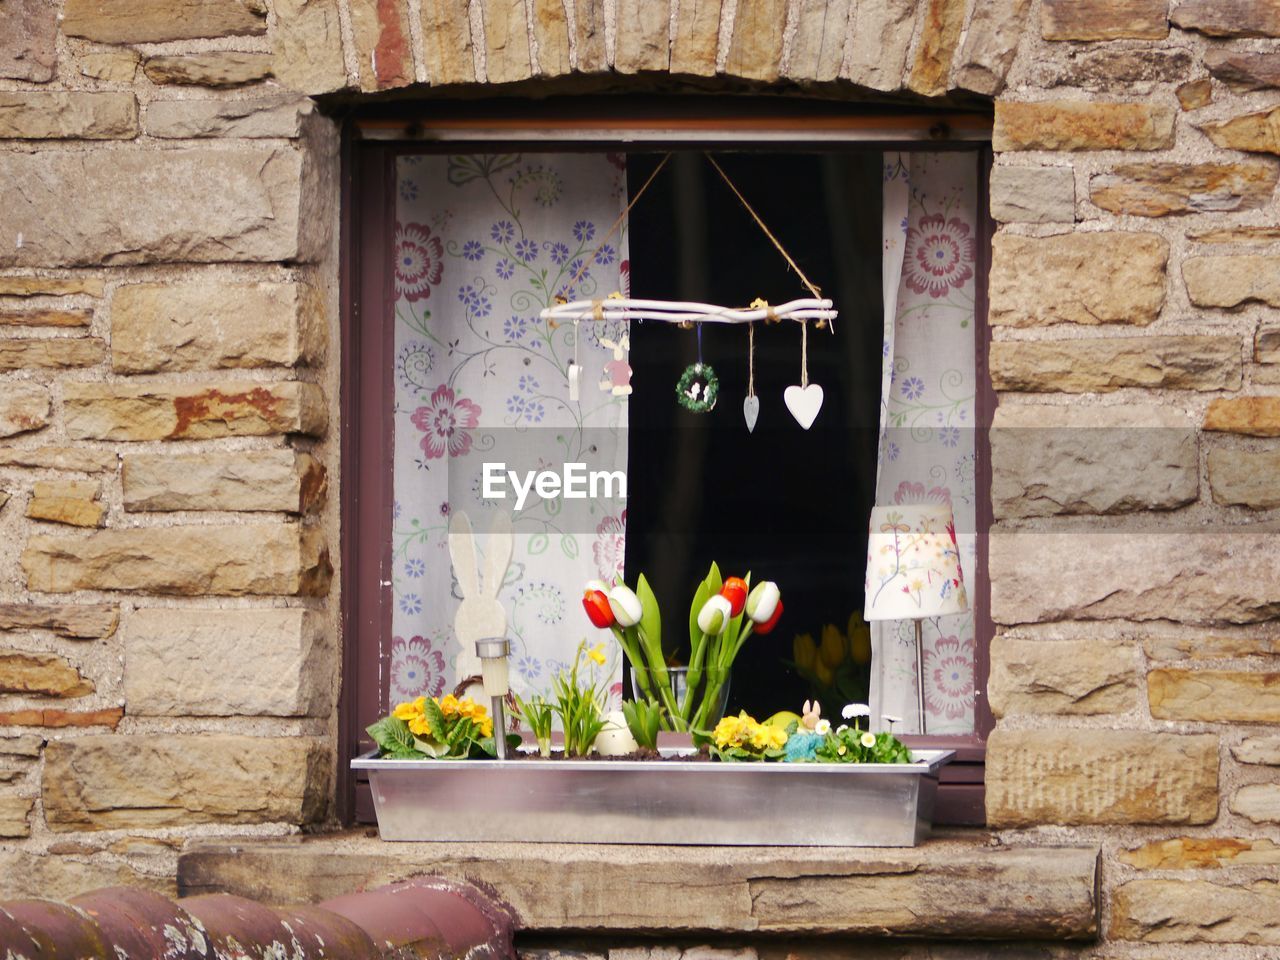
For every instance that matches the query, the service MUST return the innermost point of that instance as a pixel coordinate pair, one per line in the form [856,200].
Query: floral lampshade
[913,564]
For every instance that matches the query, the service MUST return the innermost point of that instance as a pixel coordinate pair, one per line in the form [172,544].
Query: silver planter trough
[655,801]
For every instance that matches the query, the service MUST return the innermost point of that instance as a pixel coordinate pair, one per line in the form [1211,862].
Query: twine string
[804,354]
[751,359]
[622,217]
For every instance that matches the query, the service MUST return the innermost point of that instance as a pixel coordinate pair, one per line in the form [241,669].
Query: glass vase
[679,679]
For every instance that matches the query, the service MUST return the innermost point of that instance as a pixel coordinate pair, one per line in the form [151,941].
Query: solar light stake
[494,672]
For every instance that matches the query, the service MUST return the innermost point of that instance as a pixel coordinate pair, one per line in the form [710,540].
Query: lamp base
[920,720]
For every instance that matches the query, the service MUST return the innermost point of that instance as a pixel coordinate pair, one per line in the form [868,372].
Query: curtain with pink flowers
[482,244]
[927,450]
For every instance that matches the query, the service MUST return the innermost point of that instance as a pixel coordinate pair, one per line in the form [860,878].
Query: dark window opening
[786,504]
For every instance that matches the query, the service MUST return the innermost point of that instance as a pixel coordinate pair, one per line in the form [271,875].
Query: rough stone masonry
[165,460]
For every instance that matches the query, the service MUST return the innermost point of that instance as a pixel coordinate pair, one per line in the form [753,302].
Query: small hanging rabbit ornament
[480,615]
[617,372]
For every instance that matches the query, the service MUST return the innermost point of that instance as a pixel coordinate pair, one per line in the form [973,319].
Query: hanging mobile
[804,401]
[698,387]
[575,369]
[751,404]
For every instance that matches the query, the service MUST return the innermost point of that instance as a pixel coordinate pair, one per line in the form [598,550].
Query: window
[799,512]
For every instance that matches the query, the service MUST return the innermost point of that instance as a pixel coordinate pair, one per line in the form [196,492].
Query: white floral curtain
[482,244]
[927,446]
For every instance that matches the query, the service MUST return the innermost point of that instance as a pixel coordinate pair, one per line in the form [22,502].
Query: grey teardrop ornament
[750,412]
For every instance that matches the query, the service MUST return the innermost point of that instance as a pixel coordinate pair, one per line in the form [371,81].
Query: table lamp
[913,572]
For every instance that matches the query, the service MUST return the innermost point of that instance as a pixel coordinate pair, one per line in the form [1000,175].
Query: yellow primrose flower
[419,726]
[596,653]
[766,738]
[486,727]
[448,705]
[730,731]
[409,710]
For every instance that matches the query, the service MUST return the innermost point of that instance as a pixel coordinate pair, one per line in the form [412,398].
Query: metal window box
[652,801]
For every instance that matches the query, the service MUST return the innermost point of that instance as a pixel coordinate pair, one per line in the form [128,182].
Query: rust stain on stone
[227,407]
[391,53]
[314,487]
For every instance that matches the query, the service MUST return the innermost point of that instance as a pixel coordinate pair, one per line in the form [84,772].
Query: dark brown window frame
[371,145]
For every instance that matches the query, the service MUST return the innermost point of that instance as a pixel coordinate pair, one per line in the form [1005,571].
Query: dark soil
[702,756]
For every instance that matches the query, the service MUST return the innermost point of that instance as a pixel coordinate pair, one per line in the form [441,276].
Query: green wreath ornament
[698,388]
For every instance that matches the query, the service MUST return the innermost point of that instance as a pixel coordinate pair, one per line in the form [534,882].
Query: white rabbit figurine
[617,372]
[480,615]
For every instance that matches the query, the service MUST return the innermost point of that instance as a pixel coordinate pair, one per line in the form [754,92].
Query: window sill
[955,885]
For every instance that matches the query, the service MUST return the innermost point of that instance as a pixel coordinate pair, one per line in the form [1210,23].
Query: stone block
[1102,365]
[1038,281]
[28,35]
[1078,125]
[1052,459]
[51,287]
[1209,647]
[201,325]
[157,21]
[551,38]
[15,816]
[191,410]
[1214,695]
[384,46]
[755,47]
[28,873]
[245,480]
[135,205]
[1068,777]
[46,317]
[1253,416]
[1244,71]
[817,48]
[1201,853]
[1104,19]
[62,719]
[23,407]
[81,621]
[151,781]
[876,55]
[1196,911]
[77,459]
[695,40]
[446,41]
[1195,94]
[223,663]
[939,37]
[1228,18]
[229,561]
[27,745]
[307,43]
[114,66]
[73,502]
[61,353]
[217,68]
[1196,575]
[1075,677]
[1259,802]
[506,39]
[990,45]
[42,115]
[1255,132]
[40,675]
[256,118]
[590,53]
[1160,189]
[1104,68]
[1231,281]
[1258,750]
[1245,478]
[1033,194]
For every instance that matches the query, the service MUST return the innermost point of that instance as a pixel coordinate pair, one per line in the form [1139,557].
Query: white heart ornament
[751,412]
[804,403]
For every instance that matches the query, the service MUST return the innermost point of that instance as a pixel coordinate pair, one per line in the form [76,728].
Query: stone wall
[168,386]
